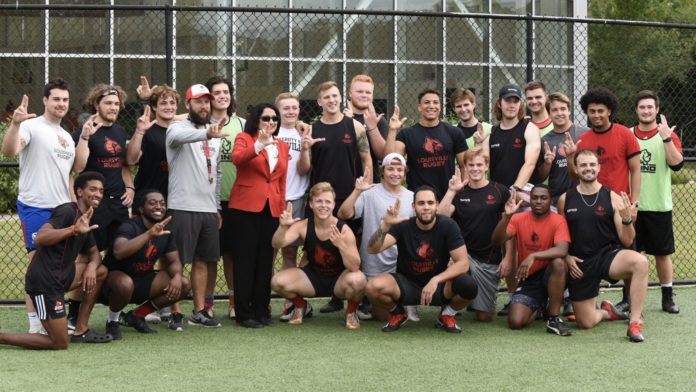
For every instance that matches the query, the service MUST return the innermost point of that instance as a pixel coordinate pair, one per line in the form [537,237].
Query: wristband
[85,138]
[628,222]
[372,129]
[667,139]
[131,188]
[72,231]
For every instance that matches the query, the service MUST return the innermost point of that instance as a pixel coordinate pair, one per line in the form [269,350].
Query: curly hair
[101,90]
[599,95]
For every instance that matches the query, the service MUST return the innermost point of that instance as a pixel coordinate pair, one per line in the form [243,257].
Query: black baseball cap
[510,90]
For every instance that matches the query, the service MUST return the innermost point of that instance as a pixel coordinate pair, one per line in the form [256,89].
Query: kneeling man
[333,266]
[423,274]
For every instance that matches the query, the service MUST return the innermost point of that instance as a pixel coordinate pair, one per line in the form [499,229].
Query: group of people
[388,218]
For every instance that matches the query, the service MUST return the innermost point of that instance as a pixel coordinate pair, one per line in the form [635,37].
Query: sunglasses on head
[269,118]
[109,92]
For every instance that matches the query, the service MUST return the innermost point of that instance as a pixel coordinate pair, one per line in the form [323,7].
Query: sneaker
[299,314]
[448,323]
[505,310]
[352,320]
[202,319]
[165,313]
[555,324]
[635,332]
[176,322]
[288,307]
[567,307]
[334,305]
[230,310]
[624,306]
[669,306]
[41,330]
[413,315]
[138,323]
[364,312]
[71,325]
[614,312]
[396,320]
[154,317]
[113,328]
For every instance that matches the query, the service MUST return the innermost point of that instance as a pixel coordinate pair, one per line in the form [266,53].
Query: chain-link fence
[266,51]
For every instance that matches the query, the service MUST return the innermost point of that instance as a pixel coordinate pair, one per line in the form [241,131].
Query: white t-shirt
[296,184]
[45,163]
[371,205]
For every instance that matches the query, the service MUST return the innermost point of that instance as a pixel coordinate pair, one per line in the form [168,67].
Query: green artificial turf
[321,355]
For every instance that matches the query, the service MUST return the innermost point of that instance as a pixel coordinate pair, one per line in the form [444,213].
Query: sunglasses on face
[269,118]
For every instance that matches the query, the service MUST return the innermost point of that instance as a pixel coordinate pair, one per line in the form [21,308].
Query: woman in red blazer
[256,201]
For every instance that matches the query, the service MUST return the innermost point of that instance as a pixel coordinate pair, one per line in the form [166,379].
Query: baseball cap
[510,90]
[197,91]
[387,160]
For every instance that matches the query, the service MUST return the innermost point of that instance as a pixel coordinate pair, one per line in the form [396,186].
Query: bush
[9,178]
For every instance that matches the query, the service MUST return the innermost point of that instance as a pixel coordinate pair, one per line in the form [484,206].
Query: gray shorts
[298,211]
[487,280]
[196,235]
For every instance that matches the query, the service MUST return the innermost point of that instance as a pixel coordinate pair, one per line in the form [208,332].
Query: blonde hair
[287,95]
[476,151]
[319,188]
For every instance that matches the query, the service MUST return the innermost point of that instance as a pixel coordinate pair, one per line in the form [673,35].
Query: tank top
[655,176]
[334,159]
[591,222]
[507,147]
[323,257]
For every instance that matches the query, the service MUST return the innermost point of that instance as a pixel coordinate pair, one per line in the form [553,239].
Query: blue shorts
[32,218]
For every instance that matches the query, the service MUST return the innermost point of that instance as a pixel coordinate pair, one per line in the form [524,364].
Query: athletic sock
[34,321]
[448,311]
[113,316]
[352,306]
[666,291]
[73,308]
[397,309]
[625,293]
[299,302]
[144,309]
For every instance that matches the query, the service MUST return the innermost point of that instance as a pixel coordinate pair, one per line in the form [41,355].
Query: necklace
[593,203]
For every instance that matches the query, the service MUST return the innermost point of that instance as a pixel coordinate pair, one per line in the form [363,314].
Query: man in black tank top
[333,266]
[601,228]
[423,274]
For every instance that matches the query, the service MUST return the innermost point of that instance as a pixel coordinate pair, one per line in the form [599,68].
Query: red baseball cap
[197,91]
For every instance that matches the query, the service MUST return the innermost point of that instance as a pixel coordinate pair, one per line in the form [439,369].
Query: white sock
[113,316]
[33,320]
[566,294]
[448,311]
[666,284]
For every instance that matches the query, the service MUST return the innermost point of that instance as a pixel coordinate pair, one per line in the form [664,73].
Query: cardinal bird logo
[112,146]
[432,145]
[324,257]
[425,250]
[63,143]
[151,251]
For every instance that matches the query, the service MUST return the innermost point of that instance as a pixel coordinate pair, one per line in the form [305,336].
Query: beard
[426,222]
[197,119]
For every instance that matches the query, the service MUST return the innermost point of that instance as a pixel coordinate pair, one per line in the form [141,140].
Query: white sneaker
[165,313]
[413,313]
[38,329]
[364,314]
[154,317]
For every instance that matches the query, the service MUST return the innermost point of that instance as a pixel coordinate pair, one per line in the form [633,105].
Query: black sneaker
[505,310]
[334,305]
[396,320]
[669,306]
[138,323]
[201,319]
[176,322]
[567,307]
[624,306]
[554,324]
[113,328]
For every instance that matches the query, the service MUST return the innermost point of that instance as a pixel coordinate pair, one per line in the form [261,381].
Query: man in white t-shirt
[46,157]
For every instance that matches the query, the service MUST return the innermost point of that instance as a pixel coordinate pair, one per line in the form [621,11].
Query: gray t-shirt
[194,185]
[371,205]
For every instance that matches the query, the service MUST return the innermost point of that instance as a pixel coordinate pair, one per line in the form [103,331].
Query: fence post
[530,48]
[169,42]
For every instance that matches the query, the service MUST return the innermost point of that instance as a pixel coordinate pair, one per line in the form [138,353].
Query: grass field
[321,355]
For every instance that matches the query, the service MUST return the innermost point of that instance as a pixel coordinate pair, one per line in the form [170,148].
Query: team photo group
[378,213]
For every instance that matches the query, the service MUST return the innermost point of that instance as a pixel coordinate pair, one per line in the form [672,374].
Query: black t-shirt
[323,257]
[107,154]
[334,160]
[383,127]
[591,222]
[424,254]
[145,258]
[507,148]
[52,269]
[431,154]
[468,131]
[153,171]
[477,212]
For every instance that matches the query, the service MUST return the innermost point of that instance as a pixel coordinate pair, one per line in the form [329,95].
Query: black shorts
[654,233]
[594,269]
[142,283]
[227,229]
[323,285]
[411,292]
[109,216]
[48,305]
[532,291]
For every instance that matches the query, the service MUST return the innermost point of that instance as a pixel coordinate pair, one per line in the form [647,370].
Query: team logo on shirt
[517,143]
[63,143]
[323,257]
[151,251]
[432,146]
[535,236]
[645,165]
[425,262]
[600,211]
[346,138]
[561,150]
[490,199]
[111,146]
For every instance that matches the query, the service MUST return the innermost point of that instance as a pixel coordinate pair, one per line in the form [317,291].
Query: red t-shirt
[535,235]
[614,147]
[647,135]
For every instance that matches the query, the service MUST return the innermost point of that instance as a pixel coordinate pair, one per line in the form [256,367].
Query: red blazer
[255,183]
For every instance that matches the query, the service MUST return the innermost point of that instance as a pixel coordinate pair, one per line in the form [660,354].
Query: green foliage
[9,178]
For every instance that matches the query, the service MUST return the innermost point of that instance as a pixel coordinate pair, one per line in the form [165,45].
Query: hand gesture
[523,269]
[173,289]
[570,146]
[392,216]
[348,111]
[215,130]
[82,225]
[455,183]
[549,154]
[627,210]
[365,182]
[428,291]
[573,268]
[266,134]
[336,237]
[664,128]
[90,127]
[307,140]
[144,91]
[513,204]
[371,118]
[20,114]
[395,122]
[286,218]
[479,135]
[144,123]
[505,267]
[127,197]
[158,230]
[302,127]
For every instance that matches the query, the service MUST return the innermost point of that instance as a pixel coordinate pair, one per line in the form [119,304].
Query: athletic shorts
[487,280]
[110,214]
[31,218]
[411,292]
[532,291]
[654,233]
[227,229]
[48,305]
[323,285]
[197,236]
[594,269]
[142,283]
